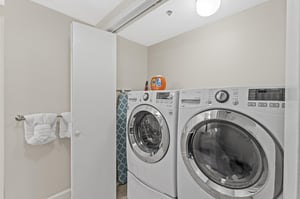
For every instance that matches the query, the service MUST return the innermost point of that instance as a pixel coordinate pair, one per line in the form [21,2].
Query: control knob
[146,96]
[222,96]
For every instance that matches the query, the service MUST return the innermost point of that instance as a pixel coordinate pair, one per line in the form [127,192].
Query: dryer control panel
[233,97]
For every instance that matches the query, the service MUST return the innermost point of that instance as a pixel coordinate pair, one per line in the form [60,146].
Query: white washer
[230,143]
[151,144]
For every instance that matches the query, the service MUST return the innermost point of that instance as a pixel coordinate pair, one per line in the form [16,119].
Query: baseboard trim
[66,194]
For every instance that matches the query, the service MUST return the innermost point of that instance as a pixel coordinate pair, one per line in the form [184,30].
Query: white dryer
[230,143]
[151,144]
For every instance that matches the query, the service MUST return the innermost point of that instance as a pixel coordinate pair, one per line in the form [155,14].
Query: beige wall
[37,80]
[132,65]
[1,107]
[241,50]
[37,72]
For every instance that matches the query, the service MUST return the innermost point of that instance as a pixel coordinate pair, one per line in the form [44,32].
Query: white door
[93,154]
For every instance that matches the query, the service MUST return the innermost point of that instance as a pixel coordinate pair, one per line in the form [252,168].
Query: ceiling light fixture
[206,8]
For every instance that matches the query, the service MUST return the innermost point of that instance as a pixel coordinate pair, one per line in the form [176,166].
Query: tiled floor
[122,192]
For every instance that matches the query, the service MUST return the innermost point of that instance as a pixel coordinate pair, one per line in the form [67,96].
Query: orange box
[158,82]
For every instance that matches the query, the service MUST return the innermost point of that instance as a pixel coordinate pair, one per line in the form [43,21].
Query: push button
[252,104]
[262,104]
[274,105]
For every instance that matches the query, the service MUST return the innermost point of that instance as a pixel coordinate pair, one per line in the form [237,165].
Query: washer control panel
[162,99]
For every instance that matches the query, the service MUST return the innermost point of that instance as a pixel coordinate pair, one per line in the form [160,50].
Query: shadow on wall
[62,195]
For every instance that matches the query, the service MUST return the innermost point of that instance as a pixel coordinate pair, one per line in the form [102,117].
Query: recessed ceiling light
[207,8]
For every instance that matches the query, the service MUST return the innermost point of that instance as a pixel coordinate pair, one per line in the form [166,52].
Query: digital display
[276,94]
[164,95]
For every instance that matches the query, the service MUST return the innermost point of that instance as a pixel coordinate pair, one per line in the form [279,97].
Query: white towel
[40,128]
[65,125]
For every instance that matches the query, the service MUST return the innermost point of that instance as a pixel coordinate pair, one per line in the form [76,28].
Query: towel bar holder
[122,90]
[20,118]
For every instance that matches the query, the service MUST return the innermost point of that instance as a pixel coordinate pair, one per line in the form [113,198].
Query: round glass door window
[148,134]
[222,153]
[227,154]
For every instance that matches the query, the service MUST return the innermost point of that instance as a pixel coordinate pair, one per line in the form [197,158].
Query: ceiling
[88,11]
[152,28]
[157,26]
[2,2]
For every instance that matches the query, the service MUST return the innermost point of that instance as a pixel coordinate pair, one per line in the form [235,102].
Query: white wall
[132,65]
[292,116]
[37,71]
[1,107]
[241,50]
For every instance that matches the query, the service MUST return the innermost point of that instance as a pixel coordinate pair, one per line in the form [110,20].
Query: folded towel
[40,128]
[65,125]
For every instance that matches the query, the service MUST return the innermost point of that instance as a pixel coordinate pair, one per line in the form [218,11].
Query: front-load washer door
[148,134]
[226,153]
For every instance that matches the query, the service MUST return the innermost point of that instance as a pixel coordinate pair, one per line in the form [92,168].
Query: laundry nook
[149,99]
